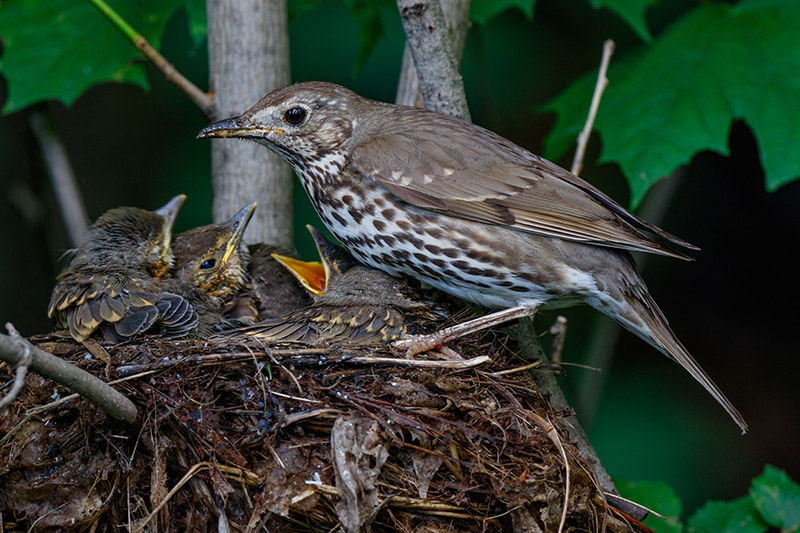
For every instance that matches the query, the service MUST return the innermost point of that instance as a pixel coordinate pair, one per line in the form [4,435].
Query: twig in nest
[273,354]
[514,370]
[279,365]
[600,86]
[552,434]
[232,472]
[425,363]
[21,365]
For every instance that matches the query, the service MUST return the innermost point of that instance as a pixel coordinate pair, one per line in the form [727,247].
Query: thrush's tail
[641,315]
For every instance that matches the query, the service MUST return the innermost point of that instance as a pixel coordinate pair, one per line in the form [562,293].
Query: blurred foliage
[658,497]
[632,11]
[482,11]
[668,100]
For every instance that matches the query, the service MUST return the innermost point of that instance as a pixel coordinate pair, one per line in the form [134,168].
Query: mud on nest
[285,439]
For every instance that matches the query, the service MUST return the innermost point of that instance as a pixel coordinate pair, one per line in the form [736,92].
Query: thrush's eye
[295,115]
[209,263]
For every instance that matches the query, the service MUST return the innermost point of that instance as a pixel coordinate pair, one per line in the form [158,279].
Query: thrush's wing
[341,325]
[176,316]
[82,302]
[120,306]
[478,175]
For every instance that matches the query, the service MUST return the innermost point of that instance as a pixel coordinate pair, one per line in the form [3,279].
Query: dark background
[734,307]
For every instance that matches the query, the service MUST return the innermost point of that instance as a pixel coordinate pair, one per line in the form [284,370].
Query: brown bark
[248,46]
[431,47]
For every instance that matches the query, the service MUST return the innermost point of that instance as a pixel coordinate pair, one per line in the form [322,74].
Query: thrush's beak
[170,212]
[235,127]
[238,223]
[229,127]
[311,275]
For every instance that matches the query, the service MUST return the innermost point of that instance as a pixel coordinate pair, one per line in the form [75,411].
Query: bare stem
[13,350]
[600,86]
[203,100]
[62,176]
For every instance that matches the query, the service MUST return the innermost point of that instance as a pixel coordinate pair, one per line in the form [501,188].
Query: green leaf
[777,497]
[198,21]
[632,12]
[57,49]
[482,11]
[738,516]
[716,64]
[656,496]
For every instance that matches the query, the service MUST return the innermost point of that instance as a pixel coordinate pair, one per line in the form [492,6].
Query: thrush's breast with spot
[468,260]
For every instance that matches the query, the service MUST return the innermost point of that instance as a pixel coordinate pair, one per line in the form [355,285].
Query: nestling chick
[275,290]
[210,269]
[353,304]
[113,280]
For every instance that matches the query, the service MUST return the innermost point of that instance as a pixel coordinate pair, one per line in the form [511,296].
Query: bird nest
[249,437]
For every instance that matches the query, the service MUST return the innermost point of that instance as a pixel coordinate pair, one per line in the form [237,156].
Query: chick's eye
[295,115]
[208,263]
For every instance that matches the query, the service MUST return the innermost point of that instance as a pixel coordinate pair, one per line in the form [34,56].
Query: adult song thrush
[212,261]
[353,304]
[414,192]
[113,280]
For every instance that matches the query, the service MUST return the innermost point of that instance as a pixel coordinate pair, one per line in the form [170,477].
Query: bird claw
[416,344]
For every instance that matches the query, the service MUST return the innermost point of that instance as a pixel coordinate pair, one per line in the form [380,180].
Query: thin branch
[599,87]
[203,100]
[62,176]
[117,405]
[440,81]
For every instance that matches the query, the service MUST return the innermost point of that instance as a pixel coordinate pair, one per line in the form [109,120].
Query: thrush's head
[213,258]
[130,238]
[309,124]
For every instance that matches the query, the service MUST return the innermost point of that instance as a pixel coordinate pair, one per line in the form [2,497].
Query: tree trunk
[248,44]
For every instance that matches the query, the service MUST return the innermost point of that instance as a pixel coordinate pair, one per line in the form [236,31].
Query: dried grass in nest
[251,438]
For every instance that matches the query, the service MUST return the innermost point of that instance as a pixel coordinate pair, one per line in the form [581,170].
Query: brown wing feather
[479,175]
[119,305]
[319,324]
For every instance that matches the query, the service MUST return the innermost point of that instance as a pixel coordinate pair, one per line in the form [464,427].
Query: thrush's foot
[414,344]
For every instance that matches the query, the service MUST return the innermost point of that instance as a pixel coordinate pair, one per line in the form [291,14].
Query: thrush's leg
[414,344]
